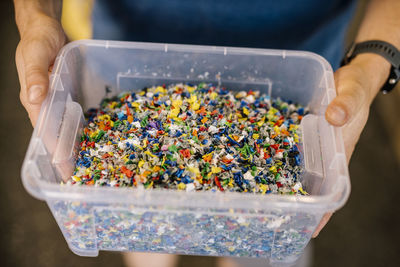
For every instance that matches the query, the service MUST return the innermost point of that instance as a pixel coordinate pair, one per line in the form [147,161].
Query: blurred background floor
[363,233]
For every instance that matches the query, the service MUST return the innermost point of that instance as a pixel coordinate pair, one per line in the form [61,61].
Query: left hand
[357,85]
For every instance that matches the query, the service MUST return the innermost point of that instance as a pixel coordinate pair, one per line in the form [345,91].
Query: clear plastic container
[275,227]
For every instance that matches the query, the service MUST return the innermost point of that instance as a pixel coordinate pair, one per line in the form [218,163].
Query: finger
[352,92]
[322,224]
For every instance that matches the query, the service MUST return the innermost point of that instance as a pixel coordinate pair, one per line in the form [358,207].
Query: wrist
[375,70]
[28,12]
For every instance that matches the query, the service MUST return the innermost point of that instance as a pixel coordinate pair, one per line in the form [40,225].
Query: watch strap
[384,49]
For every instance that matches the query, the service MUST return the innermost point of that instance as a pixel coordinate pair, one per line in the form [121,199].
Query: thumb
[37,58]
[33,58]
[352,94]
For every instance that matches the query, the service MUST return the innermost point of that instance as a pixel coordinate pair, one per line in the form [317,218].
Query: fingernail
[337,115]
[35,93]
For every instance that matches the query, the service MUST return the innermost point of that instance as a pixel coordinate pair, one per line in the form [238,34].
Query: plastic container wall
[274,227]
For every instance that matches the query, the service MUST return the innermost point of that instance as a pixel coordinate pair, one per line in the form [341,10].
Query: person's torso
[313,25]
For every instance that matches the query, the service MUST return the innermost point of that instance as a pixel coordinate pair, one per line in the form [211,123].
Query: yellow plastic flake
[246,111]
[204,120]
[255,136]
[215,169]
[111,168]
[190,89]
[76,178]
[273,169]
[161,89]
[272,111]
[150,154]
[264,188]
[94,134]
[140,164]
[135,105]
[142,93]
[174,112]
[112,105]
[163,161]
[145,143]
[181,186]
[208,157]
[138,146]
[111,153]
[261,122]
[302,191]
[111,123]
[213,95]
[194,170]
[177,103]
[192,99]
[293,127]
[296,138]
[195,106]
[230,184]
[277,130]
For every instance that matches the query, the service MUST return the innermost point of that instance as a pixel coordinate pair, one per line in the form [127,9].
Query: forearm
[381,22]
[28,10]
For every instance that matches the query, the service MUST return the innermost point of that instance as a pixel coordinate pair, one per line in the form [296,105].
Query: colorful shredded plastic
[190,137]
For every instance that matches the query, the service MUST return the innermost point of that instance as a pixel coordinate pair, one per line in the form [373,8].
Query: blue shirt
[313,25]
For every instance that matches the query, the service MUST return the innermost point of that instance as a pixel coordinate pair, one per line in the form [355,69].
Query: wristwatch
[386,50]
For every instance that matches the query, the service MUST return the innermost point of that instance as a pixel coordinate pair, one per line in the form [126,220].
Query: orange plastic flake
[127,172]
[130,119]
[201,111]
[207,158]
[284,132]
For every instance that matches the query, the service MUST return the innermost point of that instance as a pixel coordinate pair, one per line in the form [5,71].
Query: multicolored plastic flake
[189,137]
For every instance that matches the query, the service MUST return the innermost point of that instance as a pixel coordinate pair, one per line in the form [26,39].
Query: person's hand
[41,38]
[357,85]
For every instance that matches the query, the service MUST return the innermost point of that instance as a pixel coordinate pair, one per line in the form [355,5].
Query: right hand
[42,37]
